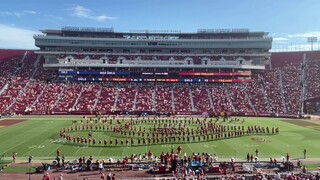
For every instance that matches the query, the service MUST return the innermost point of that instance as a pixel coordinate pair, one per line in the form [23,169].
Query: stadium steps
[114,107]
[79,95]
[5,87]
[36,62]
[229,99]
[38,97]
[33,73]
[303,79]
[135,99]
[248,99]
[264,93]
[21,61]
[59,97]
[172,99]
[283,99]
[210,99]
[97,99]
[191,99]
[23,58]
[154,99]
[21,92]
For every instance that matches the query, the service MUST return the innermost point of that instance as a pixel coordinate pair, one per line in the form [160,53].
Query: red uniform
[58,152]
[14,156]
[179,149]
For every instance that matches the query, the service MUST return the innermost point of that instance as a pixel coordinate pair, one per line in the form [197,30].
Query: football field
[39,137]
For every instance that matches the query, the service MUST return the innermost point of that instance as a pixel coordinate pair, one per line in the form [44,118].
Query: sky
[289,22]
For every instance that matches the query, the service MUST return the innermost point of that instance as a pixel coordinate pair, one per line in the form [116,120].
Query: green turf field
[38,137]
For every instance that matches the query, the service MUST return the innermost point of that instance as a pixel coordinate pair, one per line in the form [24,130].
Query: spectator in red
[124,162]
[162,157]
[102,176]
[179,149]
[251,158]
[14,156]
[46,177]
[58,152]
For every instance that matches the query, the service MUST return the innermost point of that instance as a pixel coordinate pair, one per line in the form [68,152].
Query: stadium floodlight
[312,40]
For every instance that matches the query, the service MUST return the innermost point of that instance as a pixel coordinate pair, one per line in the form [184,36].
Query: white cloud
[55,18]
[7,13]
[304,35]
[18,13]
[16,38]
[82,12]
[29,12]
[277,39]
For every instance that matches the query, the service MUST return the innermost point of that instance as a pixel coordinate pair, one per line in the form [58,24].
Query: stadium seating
[271,79]
[68,98]
[220,100]
[88,98]
[27,67]
[182,101]
[8,66]
[126,98]
[145,99]
[313,75]
[292,87]
[239,100]
[201,99]
[43,75]
[9,95]
[164,99]
[107,99]
[49,96]
[282,59]
[29,87]
[257,96]
[28,97]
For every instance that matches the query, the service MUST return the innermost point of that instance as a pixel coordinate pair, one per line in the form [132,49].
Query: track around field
[5,123]
[304,123]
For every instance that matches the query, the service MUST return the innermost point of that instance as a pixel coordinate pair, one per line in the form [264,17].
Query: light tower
[312,40]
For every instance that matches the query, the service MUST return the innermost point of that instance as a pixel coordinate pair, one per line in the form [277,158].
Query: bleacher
[26,87]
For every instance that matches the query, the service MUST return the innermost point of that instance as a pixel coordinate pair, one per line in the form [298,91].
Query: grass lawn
[19,169]
[39,136]
[313,166]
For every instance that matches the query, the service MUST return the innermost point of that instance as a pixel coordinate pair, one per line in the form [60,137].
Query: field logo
[36,147]
[60,140]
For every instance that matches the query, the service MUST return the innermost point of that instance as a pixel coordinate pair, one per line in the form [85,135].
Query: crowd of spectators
[88,97]
[106,99]
[182,101]
[126,97]
[280,88]
[201,99]
[144,101]
[239,99]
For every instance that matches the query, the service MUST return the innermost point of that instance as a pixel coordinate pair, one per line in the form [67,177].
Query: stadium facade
[164,52]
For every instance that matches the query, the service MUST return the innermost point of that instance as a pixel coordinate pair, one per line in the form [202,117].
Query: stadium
[155,101]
